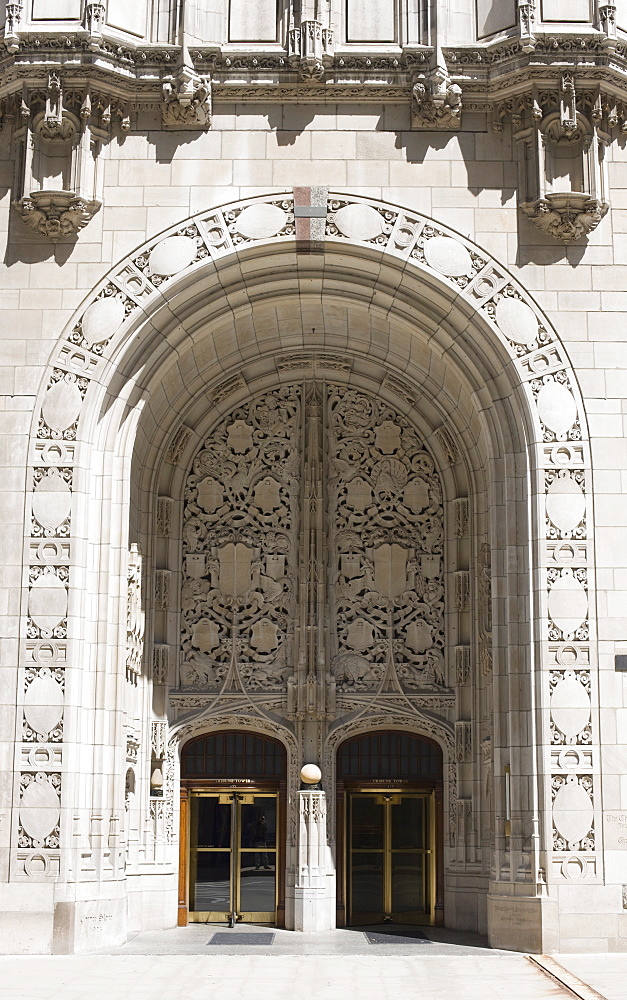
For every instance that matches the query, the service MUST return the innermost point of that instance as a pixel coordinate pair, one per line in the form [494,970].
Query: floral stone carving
[386,534]
[381,504]
[239,545]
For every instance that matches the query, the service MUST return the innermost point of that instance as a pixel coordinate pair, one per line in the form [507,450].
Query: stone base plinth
[26,919]
[314,909]
[523,923]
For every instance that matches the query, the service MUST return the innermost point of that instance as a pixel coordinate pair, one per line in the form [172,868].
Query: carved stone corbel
[56,214]
[436,102]
[310,46]
[565,217]
[60,138]
[186,100]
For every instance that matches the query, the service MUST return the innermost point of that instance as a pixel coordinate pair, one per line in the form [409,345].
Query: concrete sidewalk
[184,964]
[284,977]
[607,974]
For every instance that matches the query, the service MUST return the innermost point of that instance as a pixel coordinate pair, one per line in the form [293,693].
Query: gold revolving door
[233,795]
[391,871]
[233,857]
[389,797]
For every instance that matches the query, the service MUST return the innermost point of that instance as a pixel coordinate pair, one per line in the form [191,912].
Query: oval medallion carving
[39,808]
[570,706]
[568,603]
[260,222]
[565,502]
[572,811]
[359,222]
[61,405]
[172,255]
[52,499]
[43,704]
[517,321]
[448,256]
[557,408]
[101,319]
[47,601]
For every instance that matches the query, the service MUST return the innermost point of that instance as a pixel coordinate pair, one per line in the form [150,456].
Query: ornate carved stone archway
[204,314]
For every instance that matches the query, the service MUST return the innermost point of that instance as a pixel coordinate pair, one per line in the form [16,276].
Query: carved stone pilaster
[164,516]
[462,590]
[160,663]
[135,618]
[463,742]
[162,589]
[462,664]
[313,899]
[461,516]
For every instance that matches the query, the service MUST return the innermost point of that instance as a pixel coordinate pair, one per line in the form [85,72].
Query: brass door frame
[391,796]
[236,797]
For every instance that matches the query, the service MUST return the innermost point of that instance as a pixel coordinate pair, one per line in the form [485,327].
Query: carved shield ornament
[210,494]
[205,635]
[358,494]
[390,570]
[419,636]
[387,437]
[359,635]
[275,566]
[264,636]
[236,575]
[240,437]
[266,494]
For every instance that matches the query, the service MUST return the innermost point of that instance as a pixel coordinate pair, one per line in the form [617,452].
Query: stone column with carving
[314,891]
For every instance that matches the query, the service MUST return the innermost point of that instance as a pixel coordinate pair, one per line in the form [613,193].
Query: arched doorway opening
[232,842]
[389,810]
[200,323]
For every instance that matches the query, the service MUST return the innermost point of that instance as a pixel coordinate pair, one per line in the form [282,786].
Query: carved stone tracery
[386,519]
[384,522]
[239,536]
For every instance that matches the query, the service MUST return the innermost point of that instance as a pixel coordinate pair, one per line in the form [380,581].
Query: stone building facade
[313,452]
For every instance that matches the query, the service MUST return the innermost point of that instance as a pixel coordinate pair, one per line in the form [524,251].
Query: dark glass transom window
[233,755]
[389,755]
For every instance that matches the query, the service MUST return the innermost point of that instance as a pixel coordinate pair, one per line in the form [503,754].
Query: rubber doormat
[241,938]
[395,937]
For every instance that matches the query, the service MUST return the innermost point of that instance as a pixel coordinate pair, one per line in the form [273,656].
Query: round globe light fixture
[310,774]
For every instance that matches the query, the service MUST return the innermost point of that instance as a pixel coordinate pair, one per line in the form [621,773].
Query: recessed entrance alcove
[316,465]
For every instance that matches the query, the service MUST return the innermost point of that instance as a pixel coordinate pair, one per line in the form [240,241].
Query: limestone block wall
[466,180]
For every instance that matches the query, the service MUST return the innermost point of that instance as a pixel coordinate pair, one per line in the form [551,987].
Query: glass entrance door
[391,871]
[233,857]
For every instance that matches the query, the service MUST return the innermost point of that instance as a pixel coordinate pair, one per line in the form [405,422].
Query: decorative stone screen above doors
[313,551]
